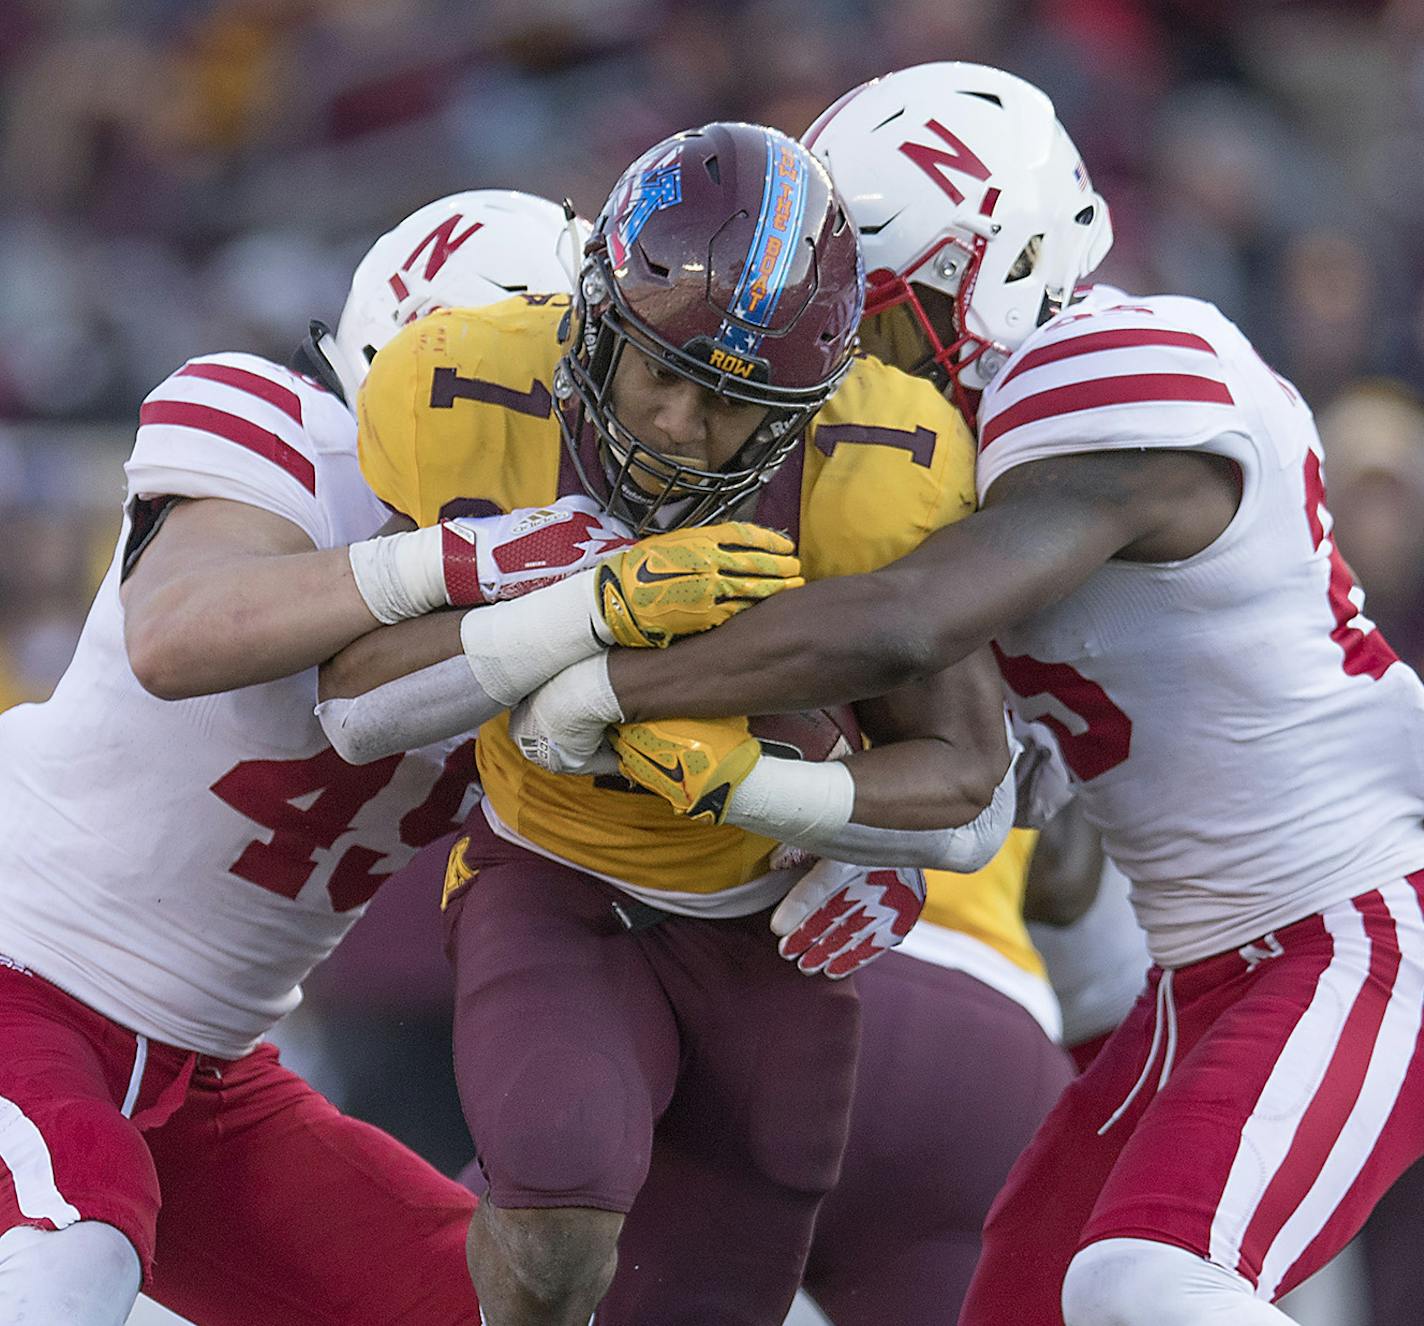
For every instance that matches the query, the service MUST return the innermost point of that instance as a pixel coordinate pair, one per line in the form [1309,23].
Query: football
[812,734]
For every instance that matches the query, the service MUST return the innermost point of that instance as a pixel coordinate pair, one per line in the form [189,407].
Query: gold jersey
[457,418]
[988,904]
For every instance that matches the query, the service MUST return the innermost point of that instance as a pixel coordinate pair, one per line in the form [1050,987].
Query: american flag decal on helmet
[658,187]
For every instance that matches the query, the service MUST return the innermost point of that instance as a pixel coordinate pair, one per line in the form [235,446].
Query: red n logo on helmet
[934,161]
[442,242]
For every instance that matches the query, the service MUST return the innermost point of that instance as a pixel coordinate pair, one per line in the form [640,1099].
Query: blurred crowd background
[184,176]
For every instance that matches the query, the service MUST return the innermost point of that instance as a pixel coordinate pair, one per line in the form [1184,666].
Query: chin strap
[310,360]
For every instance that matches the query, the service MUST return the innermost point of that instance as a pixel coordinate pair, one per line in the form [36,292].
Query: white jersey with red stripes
[180,866]
[1244,738]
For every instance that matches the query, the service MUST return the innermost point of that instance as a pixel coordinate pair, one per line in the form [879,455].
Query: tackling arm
[416,682]
[1045,527]
[940,749]
[227,594]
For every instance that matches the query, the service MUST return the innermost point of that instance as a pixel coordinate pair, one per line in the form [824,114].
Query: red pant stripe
[1372,1098]
[1324,1117]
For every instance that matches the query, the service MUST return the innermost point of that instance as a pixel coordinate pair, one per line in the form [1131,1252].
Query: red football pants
[1251,1109]
[248,1196]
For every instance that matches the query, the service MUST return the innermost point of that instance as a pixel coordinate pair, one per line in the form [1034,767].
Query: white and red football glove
[839,917]
[471,560]
[516,554]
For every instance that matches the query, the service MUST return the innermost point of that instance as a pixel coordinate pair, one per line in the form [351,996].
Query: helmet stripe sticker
[772,251]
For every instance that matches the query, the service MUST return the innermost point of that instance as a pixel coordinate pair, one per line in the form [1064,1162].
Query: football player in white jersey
[171,868]
[1154,562]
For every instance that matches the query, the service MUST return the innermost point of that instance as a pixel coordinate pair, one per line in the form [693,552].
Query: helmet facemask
[924,321]
[638,483]
[921,327]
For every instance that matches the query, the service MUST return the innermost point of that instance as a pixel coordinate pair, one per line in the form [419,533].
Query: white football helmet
[962,182]
[470,248]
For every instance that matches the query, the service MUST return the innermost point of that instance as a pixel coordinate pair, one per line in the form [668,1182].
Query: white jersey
[1244,739]
[180,866]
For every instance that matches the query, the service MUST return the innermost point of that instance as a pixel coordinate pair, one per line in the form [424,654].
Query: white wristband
[561,726]
[792,799]
[400,575]
[515,646]
[412,711]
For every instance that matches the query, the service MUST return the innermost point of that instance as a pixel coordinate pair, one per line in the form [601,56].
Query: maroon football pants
[682,1073]
[954,1079]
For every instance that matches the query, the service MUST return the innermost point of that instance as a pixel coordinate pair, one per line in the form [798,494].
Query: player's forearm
[828,643]
[922,784]
[800,804]
[255,619]
[425,706]
[389,652]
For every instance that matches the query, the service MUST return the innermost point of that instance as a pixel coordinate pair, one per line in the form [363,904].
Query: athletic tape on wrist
[964,849]
[515,646]
[790,800]
[400,575]
[437,702]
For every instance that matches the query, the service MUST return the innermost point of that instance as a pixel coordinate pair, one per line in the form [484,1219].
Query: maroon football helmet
[726,253]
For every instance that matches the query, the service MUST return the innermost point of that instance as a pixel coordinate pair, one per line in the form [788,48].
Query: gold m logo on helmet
[730,363]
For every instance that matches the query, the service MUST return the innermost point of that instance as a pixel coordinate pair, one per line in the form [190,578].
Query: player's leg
[1035,1223]
[1299,1100]
[566,1053]
[954,1078]
[1124,1282]
[78,1191]
[86,1274]
[1391,1239]
[278,1208]
[753,1138]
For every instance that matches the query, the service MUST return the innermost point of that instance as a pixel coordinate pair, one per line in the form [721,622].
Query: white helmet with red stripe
[468,249]
[975,214]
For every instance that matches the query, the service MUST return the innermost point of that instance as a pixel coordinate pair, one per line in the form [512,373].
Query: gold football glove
[693,763]
[690,580]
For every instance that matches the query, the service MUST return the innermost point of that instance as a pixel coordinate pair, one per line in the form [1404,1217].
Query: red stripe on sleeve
[253,383]
[1133,389]
[1115,338]
[244,432]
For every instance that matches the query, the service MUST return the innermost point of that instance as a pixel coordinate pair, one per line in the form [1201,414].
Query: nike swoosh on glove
[839,917]
[690,580]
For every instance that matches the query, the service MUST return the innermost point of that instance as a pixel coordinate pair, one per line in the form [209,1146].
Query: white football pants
[1135,1282]
[86,1274]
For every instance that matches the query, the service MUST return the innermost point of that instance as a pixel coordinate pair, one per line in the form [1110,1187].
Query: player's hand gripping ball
[694,764]
[690,580]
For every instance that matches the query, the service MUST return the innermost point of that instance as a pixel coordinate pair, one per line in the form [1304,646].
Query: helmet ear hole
[1026,261]
[1085,217]
[713,168]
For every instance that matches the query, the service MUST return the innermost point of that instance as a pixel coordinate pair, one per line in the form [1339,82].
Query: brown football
[812,734]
